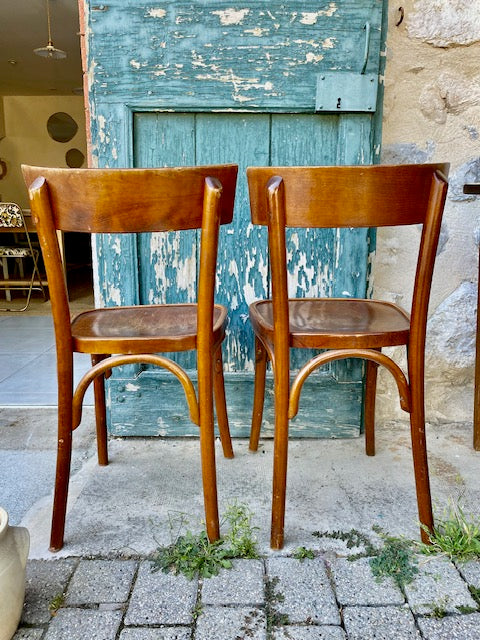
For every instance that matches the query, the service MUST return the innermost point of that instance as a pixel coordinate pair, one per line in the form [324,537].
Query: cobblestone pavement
[276,597]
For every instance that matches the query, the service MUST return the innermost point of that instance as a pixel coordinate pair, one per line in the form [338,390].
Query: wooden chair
[12,220]
[360,196]
[131,201]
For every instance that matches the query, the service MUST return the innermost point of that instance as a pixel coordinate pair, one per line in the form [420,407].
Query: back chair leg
[369,407]
[100,413]
[258,393]
[419,451]
[221,404]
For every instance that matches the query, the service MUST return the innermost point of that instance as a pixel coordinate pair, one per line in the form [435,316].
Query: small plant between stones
[272,598]
[394,559]
[56,603]
[455,535]
[193,554]
[302,553]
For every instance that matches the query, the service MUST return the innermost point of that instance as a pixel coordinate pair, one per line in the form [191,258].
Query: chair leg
[207,446]
[280,453]
[100,413]
[64,456]
[419,449]
[8,295]
[369,408]
[258,393]
[221,404]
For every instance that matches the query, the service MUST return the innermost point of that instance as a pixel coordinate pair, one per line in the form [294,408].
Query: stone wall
[432,113]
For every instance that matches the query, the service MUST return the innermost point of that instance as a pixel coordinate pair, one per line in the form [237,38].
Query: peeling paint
[231,16]
[311,17]
[257,32]
[156,13]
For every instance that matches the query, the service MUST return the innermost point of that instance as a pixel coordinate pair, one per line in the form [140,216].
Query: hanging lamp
[49,51]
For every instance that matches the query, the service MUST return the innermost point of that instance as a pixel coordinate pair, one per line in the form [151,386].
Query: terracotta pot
[14,546]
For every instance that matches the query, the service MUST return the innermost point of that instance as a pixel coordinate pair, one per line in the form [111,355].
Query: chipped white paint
[312,57]
[101,121]
[257,32]
[186,271]
[229,17]
[129,386]
[114,295]
[116,245]
[135,64]
[311,17]
[329,43]
[156,13]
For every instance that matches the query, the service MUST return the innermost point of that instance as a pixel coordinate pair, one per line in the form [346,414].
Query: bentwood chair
[12,220]
[331,197]
[132,201]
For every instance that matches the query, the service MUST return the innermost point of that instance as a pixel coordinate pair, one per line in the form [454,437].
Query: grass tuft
[455,535]
[193,554]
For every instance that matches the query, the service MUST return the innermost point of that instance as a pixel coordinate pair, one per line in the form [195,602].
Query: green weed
[455,535]
[302,553]
[193,554]
[395,559]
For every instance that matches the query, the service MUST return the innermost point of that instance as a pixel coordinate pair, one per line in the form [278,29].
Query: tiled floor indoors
[27,362]
[27,349]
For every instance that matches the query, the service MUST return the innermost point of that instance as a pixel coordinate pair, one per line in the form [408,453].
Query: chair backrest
[11,216]
[129,201]
[357,196]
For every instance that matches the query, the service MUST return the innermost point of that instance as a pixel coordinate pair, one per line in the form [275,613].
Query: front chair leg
[221,404]
[280,457]
[258,393]
[64,457]
[419,451]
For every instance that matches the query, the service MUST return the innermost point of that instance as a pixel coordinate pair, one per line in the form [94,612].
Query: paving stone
[45,580]
[242,584]
[80,624]
[471,572]
[160,598]
[302,591]
[356,585]
[170,633]
[379,623]
[101,581]
[438,585]
[28,634]
[292,632]
[222,623]
[460,627]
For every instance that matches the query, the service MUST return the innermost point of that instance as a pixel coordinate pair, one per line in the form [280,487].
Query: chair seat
[333,323]
[142,329]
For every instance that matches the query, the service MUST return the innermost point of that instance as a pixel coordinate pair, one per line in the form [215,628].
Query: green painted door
[179,83]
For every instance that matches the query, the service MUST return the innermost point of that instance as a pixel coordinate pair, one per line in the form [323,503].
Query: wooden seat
[331,197]
[133,201]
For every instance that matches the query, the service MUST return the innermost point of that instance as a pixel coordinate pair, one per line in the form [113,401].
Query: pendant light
[49,51]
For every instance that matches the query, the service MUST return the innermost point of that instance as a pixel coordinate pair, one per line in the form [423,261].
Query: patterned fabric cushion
[15,252]
[10,215]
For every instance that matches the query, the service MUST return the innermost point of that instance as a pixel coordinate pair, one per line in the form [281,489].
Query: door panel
[183,83]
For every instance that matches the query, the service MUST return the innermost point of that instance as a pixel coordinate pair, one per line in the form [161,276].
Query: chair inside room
[331,197]
[18,259]
[132,201]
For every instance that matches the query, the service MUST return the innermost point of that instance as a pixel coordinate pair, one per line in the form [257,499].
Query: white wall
[432,114]
[27,141]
